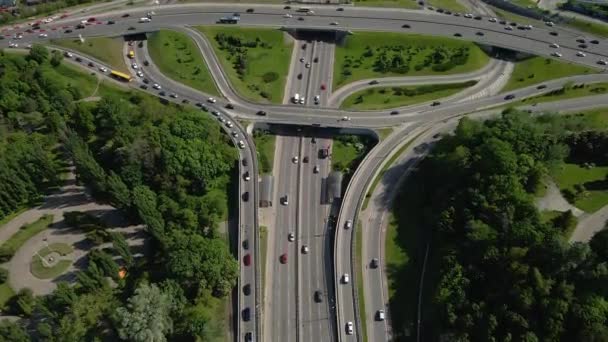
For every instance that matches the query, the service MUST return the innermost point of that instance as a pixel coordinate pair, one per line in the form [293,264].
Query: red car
[322,86]
[283,258]
[247,259]
[91,19]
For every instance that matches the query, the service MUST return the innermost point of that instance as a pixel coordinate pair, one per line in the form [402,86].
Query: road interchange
[410,119]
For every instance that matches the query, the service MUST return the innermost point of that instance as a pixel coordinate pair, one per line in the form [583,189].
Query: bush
[3,275]
[6,254]
[270,77]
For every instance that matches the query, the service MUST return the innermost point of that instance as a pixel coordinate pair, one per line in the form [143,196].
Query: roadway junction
[310,289]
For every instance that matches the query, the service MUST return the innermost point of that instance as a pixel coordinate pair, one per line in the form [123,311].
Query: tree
[599,244]
[3,275]
[12,332]
[105,262]
[122,248]
[56,58]
[146,317]
[38,53]
[23,303]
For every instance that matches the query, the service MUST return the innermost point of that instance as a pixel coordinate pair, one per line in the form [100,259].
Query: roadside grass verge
[263,251]
[393,97]
[589,27]
[359,268]
[371,54]
[539,69]
[105,49]
[586,184]
[265,145]
[595,119]
[568,92]
[411,4]
[509,16]
[255,60]
[6,293]
[384,132]
[178,57]
[452,5]
[12,215]
[25,233]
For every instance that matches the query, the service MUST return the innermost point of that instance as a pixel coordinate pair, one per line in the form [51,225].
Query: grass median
[411,4]
[539,69]
[393,97]
[255,60]
[104,49]
[452,5]
[178,57]
[359,268]
[568,92]
[371,54]
[265,145]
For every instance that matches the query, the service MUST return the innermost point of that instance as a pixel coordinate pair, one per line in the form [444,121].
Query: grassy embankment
[568,92]
[104,49]
[178,57]
[367,55]
[265,145]
[359,268]
[260,73]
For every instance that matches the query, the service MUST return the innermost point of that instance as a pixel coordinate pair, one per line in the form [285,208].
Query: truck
[296,98]
[232,19]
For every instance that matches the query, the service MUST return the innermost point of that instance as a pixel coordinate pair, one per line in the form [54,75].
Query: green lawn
[264,143]
[384,132]
[40,271]
[6,293]
[105,49]
[371,54]
[26,232]
[569,92]
[589,27]
[263,251]
[343,155]
[452,5]
[395,256]
[264,69]
[11,216]
[412,4]
[178,57]
[359,268]
[595,119]
[539,69]
[392,97]
[596,194]
[510,16]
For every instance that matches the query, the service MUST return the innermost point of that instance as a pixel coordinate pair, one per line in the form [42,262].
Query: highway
[293,314]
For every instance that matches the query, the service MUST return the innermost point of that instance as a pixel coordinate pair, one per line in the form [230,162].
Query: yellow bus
[121,76]
[131,54]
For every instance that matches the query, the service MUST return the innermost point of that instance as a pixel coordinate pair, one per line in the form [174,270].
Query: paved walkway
[553,200]
[70,197]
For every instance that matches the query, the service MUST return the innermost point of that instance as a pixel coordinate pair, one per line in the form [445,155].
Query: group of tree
[501,272]
[165,166]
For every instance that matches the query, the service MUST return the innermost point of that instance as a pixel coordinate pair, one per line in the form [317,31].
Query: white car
[549,23]
[349,328]
[156,86]
[241,144]
[307,65]
[334,23]
[134,66]
[554,45]
[285,200]
[315,169]
[235,134]
[295,159]
[317,99]
[302,60]
[211,100]
[28,46]
[348,224]
[529,27]
[556,54]
[305,249]
[508,28]
[302,101]
[287,15]
[291,237]
[492,20]
[140,74]
[581,54]
[68,54]
[246,177]
[346,118]
[345,278]
[468,15]
[380,315]
[43,35]
[229,124]
[215,113]
[103,69]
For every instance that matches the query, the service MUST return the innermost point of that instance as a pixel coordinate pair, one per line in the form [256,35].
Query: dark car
[509,97]
[249,335]
[230,106]
[513,24]
[67,31]
[80,26]
[261,113]
[595,41]
[299,76]
[126,15]
[185,101]
[246,314]
[478,17]
[553,33]
[131,28]
[78,59]
[283,258]
[146,63]
[143,86]
[479,33]
[318,296]
[435,103]
[249,10]
[111,22]
[440,10]
[316,60]
[406,26]
[457,35]
[305,159]
[502,22]
[162,93]
[287,7]
[300,18]
[245,162]
[247,289]
[581,40]
[583,46]
[245,196]
[374,263]
[340,9]
[245,244]
[91,64]
[203,107]
[247,259]
[373,82]
[304,46]
[145,80]
[394,112]
[542,86]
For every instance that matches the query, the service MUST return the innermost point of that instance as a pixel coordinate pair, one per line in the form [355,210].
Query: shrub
[270,76]
[3,275]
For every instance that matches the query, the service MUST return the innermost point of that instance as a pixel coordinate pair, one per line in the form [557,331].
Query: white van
[296,98]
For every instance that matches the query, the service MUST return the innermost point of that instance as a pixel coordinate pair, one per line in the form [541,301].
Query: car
[313,140]
[556,54]
[43,35]
[246,314]
[131,28]
[509,97]
[348,224]
[302,60]
[307,65]
[287,7]
[247,289]
[302,100]
[283,258]
[317,98]
[287,15]
[323,86]
[316,60]
[580,54]
[245,196]
[67,31]
[345,278]
[215,113]
[162,93]
[247,259]
[249,337]
[211,100]
[602,62]
[305,159]
[477,17]
[229,124]
[241,144]
[315,169]
[549,23]
[139,74]
[91,19]
[156,86]
[134,66]
[457,34]
[291,237]
[479,33]
[304,46]
[261,113]
[103,69]
[542,86]
[581,40]
[143,86]
[345,118]
[229,106]
[91,64]
[146,63]
[173,95]
[554,45]
[583,46]
[300,18]
[300,76]
[126,15]
[373,82]
[440,10]
[374,263]
[68,54]
[380,315]
[78,59]
[318,296]
[394,112]
[595,41]
[406,26]
[508,28]
[249,10]
[245,162]
[492,20]
[304,249]
[334,23]
[285,200]
[235,134]
[554,33]
[111,22]
[185,101]
[349,328]
[295,159]
[502,22]
[468,15]
[435,103]
[222,120]
[340,9]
